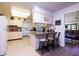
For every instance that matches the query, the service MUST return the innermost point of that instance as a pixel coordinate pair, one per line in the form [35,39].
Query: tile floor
[21,47]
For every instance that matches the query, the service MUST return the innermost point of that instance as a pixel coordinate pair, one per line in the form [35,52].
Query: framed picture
[58,22]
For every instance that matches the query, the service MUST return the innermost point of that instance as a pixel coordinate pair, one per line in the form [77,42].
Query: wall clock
[12,18]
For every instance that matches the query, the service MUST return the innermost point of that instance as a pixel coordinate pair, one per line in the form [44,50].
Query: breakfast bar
[35,38]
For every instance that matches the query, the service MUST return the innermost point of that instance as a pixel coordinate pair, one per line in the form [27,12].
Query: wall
[42,16]
[60,15]
[30,18]
[17,21]
[5,10]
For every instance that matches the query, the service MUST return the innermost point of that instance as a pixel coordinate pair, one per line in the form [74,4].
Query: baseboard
[15,39]
[3,54]
[26,36]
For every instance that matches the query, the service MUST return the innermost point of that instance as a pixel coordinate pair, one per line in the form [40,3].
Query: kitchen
[15,23]
[23,22]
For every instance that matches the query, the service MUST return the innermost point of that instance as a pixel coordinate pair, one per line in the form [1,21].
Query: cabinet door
[38,17]
[48,19]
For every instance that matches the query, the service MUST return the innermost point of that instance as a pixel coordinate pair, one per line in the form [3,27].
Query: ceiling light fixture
[20,12]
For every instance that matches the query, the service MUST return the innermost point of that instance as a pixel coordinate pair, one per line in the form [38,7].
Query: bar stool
[56,42]
[43,42]
[51,38]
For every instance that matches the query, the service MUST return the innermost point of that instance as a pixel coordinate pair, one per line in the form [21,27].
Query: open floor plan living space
[39,29]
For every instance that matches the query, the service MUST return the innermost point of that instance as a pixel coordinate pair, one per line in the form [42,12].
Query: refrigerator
[3,35]
[25,29]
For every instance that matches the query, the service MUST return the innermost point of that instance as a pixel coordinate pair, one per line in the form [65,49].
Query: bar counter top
[37,33]
[35,37]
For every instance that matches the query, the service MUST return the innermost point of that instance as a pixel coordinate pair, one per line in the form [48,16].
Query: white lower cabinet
[14,35]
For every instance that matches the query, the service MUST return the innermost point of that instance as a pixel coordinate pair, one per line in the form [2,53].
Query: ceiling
[51,6]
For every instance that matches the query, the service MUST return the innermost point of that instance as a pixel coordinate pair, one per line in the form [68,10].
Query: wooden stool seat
[50,38]
[42,40]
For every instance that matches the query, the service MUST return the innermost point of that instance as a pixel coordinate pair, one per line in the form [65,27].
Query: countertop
[37,33]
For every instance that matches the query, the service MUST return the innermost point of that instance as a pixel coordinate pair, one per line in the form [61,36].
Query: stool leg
[53,46]
[47,47]
[42,51]
[72,40]
[42,48]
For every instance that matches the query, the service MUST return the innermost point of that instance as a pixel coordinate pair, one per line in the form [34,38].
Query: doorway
[72,28]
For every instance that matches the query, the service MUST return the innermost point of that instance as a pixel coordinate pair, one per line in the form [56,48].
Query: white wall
[60,15]
[16,21]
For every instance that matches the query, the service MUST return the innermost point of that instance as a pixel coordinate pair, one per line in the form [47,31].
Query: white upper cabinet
[42,18]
